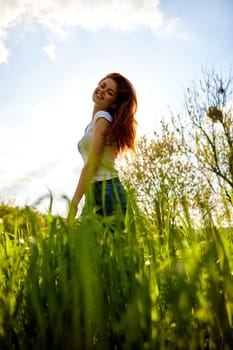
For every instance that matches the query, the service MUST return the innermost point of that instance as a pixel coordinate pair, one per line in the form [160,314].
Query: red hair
[123,128]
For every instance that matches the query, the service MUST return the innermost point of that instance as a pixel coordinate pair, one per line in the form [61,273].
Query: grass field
[79,286]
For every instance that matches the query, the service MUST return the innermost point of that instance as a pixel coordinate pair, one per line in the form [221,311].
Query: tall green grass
[81,286]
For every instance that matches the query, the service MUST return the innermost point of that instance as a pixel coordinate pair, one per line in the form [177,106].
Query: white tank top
[106,169]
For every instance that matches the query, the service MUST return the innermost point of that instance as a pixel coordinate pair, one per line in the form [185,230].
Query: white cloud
[172,25]
[50,50]
[173,29]
[4,53]
[58,16]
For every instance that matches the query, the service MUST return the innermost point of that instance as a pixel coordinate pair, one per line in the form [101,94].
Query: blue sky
[52,54]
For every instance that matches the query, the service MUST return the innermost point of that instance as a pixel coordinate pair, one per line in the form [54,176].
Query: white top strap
[103,114]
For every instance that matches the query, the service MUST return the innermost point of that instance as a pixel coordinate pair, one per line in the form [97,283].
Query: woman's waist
[104,174]
[115,179]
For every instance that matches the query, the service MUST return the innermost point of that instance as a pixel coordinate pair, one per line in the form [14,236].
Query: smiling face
[105,94]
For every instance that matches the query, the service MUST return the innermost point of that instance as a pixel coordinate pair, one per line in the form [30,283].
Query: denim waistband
[113,179]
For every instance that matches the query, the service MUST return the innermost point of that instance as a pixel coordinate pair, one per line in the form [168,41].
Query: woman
[112,130]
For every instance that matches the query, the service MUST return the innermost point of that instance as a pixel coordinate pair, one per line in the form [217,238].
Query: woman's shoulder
[103,114]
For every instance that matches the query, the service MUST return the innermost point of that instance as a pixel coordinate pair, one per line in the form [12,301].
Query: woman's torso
[106,169]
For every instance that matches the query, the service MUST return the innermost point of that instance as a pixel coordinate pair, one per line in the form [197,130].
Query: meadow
[77,285]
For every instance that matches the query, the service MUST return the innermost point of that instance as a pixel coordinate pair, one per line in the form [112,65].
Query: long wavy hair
[123,128]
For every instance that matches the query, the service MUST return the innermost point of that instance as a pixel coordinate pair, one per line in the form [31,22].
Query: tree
[159,176]
[206,132]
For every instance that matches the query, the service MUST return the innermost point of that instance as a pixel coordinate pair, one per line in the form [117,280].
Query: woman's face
[105,94]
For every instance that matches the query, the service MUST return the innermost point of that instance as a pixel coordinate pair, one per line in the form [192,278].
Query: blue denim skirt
[107,197]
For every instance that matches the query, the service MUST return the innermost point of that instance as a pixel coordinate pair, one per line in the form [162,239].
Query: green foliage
[159,176]
[14,220]
[82,286]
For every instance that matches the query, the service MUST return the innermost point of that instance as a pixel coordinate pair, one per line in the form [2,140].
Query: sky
[52,55]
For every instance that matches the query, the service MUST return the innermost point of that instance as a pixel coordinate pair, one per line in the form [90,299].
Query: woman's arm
[96,150]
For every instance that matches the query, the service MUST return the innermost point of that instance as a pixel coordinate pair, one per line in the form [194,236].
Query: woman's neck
[95,110]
